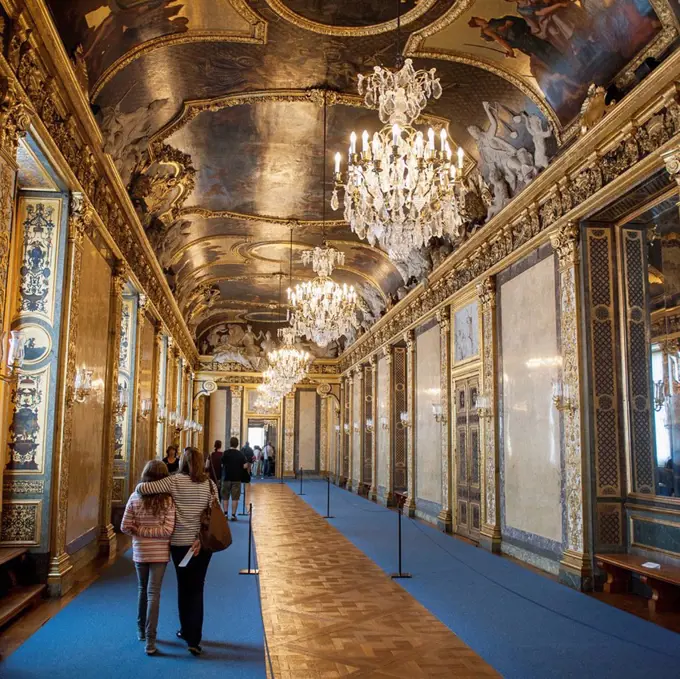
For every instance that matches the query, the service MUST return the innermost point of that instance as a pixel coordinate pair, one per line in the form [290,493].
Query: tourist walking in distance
[150,520]
[192,491]
[257,461]
[213,465]
[233,466]
[171,460]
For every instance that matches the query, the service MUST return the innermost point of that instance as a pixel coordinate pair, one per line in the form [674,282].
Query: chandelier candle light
[401,189]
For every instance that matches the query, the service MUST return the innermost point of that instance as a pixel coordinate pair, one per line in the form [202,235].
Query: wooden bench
[18,597]
[664,582]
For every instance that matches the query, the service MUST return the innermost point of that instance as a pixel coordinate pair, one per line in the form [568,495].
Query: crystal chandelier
[400,189]
[288,363]
[322,310]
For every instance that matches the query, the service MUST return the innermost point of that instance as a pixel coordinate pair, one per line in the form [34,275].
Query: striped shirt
[150,534]
[190,501]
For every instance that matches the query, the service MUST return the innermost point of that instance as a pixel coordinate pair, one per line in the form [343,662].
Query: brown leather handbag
[215,533]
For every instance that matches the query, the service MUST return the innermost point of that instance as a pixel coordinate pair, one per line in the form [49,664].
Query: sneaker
[150,650]
[233,517]
[141,636]
[195,650]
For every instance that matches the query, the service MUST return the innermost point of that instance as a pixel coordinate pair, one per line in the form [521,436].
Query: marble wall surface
[218,428]
[88,418]
[382,449]
[306,429]
[428,430]
[356,435]
[531,471]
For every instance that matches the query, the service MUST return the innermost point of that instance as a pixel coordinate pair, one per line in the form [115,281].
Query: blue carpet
[95,635]
[526,626]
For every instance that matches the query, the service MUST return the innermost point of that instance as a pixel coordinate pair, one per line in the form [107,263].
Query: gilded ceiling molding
[243,240]
[624,148]
[299,21]
[204,213]
[258,36]
[194,107]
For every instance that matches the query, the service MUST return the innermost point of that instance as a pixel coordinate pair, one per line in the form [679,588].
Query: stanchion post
[399,574]
[249,570]
[328,498]
[243,504]
[301,473]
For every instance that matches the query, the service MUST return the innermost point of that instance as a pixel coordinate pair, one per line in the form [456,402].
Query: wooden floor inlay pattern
[329,611]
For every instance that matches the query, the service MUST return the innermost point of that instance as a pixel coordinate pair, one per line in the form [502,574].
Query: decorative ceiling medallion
[300,21]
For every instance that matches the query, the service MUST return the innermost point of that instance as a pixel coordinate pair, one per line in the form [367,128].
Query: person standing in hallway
[193,492]
[267,458]
[234,464]
[150,520]
[213,465]
[257,461]
[171,460]
[249,455]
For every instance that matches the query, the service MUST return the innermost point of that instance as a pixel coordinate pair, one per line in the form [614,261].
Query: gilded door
[468,486]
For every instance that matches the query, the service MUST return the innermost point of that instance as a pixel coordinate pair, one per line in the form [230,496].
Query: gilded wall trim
[399,434]
[369,436]
[445,517]
[288,435]
[373,376]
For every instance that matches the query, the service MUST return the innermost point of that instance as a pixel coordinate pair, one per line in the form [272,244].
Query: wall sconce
[15,355]
[120,407]
[145,408]
[483,405]
[337,428]
[384,422]
[369,425]
[659,395]
[438,413]
[346,428]
[405,422]
[162,414]
[82,387]
[356,428]
[562,399]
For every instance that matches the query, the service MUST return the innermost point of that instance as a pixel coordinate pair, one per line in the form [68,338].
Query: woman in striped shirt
[150,520]
[192,492]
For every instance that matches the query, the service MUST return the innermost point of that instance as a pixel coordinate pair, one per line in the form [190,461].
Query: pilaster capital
[410,339]
[372,362]
[142,305]
[566,244]
[236,390]
[388,353]
[359,373]
[81,214]
[671,159]
[14,117]
[443,317]
[486,291]
[121,275]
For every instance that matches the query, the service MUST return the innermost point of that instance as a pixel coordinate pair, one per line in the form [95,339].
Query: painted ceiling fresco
[212,112]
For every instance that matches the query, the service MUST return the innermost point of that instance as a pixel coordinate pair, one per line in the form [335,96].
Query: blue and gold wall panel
[28,460]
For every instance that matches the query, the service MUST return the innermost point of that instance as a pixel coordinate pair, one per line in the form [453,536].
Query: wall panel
[307,429]
[383,454]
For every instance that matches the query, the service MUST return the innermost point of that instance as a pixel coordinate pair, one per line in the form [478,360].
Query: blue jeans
[149,580]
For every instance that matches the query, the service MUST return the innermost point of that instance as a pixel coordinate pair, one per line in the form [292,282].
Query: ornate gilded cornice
[48,93]
[565,242]
[616,154]
[14,117]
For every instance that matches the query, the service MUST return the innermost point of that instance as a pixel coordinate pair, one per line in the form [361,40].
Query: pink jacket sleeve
[162,530]
[129,520]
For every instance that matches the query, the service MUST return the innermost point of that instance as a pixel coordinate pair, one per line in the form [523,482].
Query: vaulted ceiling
[228,89]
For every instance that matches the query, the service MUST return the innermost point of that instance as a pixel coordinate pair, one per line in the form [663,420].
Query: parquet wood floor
[329,611]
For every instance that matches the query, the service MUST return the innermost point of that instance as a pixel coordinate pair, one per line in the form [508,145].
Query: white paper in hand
[187,558]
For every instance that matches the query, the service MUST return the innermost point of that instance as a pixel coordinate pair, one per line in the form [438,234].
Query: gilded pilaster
[672,161]
[445,518]
[388,430]
[350,434]
[289,435]
[135,454]
[373,371]
[107,534]
[410,504]
[490,534]
[358,436]
[60,573]
[171,391]
[156,388]
[236,408]
[576,563]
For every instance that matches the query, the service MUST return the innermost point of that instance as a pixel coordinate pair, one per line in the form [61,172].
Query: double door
[468,514]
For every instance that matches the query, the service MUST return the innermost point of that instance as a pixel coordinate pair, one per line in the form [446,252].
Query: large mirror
[663,275]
